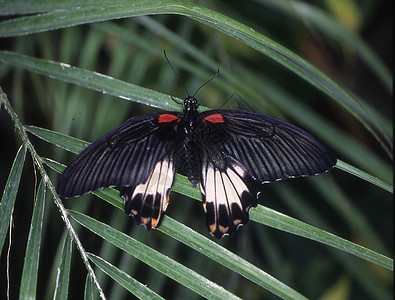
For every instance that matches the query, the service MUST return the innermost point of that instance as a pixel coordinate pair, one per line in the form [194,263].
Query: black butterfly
[229,152]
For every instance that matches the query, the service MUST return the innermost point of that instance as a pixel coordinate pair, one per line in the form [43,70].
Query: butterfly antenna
[214,76]
[182,82]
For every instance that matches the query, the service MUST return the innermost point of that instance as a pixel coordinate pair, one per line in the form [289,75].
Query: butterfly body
[189,128]
[229,152]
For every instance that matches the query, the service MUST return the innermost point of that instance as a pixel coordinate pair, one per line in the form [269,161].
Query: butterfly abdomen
[194,161]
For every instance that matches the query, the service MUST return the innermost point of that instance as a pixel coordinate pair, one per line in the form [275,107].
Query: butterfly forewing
[271,149]
[138,154]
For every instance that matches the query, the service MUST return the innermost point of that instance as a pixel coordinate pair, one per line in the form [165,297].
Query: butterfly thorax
[190,117]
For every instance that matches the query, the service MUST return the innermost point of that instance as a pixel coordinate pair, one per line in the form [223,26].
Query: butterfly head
[190,103]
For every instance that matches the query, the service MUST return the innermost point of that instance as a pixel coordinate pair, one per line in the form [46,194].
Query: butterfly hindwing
[148,201]
[228,192]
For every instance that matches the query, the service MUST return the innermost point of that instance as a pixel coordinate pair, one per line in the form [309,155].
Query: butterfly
[229,152]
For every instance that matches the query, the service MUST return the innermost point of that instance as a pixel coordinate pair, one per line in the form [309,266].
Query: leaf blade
[63,276]
[132,285]
[9,194]
[31,262]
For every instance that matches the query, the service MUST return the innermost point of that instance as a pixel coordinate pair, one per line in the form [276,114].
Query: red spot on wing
[214,118]
[167,118]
